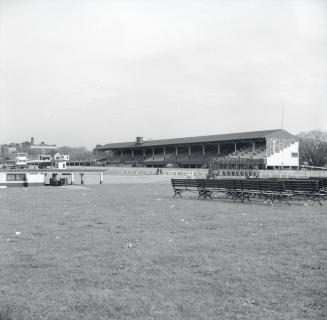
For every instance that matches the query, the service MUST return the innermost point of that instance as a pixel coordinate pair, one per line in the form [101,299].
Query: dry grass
[125,251]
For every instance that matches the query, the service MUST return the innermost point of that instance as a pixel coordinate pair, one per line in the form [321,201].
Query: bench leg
[205,194]
[208,194]
[177,192]
[288,200]
[317,198]
[238,195]
[247,196]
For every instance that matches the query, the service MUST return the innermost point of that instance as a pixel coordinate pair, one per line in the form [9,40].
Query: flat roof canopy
[229,137]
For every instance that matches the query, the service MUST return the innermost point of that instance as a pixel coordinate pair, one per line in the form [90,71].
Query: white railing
[173,172]
[299,174]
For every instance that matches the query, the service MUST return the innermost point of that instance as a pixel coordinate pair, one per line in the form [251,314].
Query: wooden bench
[229,187]
[322,182]
[262,188]
[185,185]
[274,190]
[308,189]
[245,189]
[250,189]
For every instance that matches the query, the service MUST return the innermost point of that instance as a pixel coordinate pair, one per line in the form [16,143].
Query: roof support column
[143,154]
[189,152]
[203,150]
[132,154]
[176,148]
[121,154]
[218,148]
[164,151]
[152,153]
[253,146]
[235,146]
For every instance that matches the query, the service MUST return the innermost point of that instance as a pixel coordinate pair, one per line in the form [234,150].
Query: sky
[87,72]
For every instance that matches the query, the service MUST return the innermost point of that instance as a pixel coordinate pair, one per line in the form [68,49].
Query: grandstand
[259,149]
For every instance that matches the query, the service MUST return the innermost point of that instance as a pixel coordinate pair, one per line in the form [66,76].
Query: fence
[299,174]
[174,172]
[202,173]
[188,173]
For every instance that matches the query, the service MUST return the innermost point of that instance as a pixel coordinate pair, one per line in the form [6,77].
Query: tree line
[313,148]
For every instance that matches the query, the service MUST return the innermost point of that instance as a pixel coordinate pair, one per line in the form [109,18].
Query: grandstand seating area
[200,152]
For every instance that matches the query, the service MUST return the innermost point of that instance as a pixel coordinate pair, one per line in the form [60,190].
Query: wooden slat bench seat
[274,190]
[308,189]
[229,187]
[185,185]
[322,182]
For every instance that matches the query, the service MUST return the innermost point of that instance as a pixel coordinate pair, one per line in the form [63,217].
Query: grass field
[131,251]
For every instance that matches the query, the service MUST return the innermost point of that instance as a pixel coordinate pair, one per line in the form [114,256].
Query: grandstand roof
[201,139]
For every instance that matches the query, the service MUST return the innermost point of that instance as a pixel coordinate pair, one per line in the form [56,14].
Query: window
[16,177]
[295,155]
[11,177]
[21,177]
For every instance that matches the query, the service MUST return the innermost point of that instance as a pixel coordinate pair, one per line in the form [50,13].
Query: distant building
[42,145]
[21,159]
[8,151]
[60,160]
[45,157]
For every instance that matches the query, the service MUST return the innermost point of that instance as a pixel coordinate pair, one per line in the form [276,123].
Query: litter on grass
[18,233]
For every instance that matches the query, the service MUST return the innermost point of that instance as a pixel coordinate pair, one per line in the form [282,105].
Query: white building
[21,159]
[60,160]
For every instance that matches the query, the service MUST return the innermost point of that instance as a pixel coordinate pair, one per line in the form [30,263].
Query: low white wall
[3,177]
[34,177]
[202,173]
[197,173]
[292,173]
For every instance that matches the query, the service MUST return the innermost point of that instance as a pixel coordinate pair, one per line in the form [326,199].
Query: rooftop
[201,139]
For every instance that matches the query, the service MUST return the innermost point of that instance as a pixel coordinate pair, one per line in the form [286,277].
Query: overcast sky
[91,72]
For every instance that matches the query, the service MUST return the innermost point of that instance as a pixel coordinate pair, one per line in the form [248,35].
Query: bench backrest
[250,184]
[322,182]
[302,185]
[272,185]
[185,183]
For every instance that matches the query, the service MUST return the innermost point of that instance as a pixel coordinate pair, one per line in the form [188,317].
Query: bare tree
[313,148]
